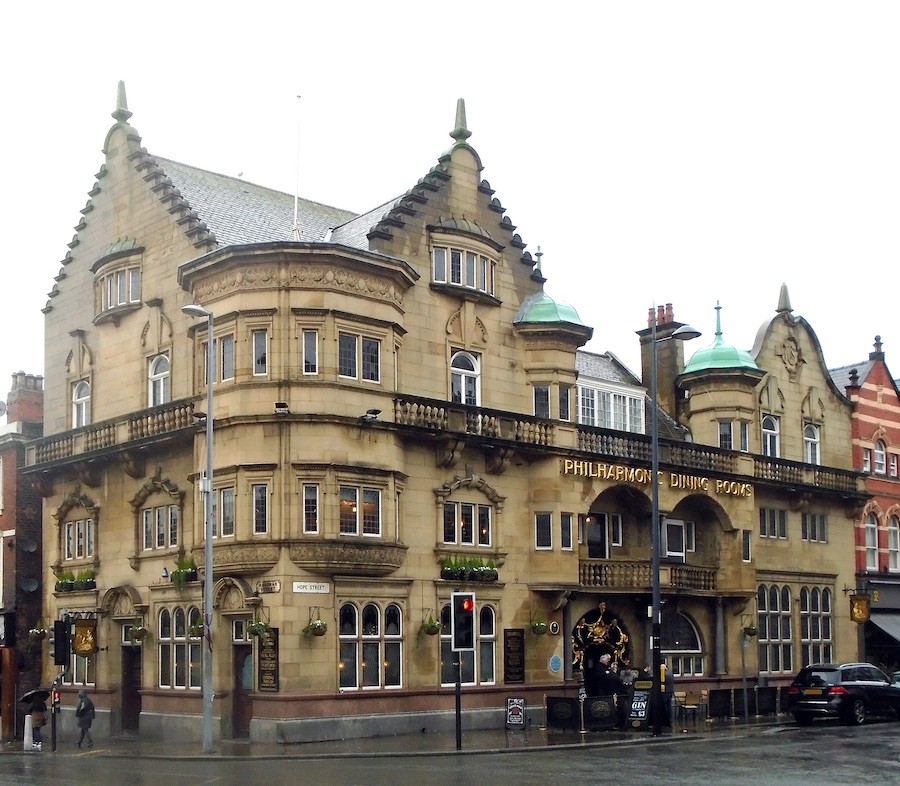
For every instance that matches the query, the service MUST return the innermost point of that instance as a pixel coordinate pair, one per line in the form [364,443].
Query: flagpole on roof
[295,232]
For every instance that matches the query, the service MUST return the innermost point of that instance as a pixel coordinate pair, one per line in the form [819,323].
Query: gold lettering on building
[620,473]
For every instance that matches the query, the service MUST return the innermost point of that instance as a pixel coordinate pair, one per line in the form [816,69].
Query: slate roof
[238,212]
[354,232]
[841,376]
[605,366]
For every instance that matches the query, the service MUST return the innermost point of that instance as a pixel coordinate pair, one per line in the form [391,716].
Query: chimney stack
[25,402]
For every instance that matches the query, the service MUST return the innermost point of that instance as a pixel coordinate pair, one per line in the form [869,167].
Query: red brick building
[876,451]
[21,563]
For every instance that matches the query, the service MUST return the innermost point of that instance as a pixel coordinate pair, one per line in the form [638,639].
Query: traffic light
[462,621]
[62,644]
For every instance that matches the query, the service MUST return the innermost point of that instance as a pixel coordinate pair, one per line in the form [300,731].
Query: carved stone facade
[374,398]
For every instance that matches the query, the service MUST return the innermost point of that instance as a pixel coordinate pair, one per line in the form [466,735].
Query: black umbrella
[36,695]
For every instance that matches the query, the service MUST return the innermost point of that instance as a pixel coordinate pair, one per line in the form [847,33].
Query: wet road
[766,756]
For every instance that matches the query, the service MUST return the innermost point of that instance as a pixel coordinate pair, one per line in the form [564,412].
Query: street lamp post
[683,333]
[206,487]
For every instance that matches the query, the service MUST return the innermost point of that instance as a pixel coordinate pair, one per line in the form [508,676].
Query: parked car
[848,691]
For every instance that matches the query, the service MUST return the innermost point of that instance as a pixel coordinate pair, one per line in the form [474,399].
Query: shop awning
[889,623]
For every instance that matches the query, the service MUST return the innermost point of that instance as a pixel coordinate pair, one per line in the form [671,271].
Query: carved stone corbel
[135,464]
[88,474]
[42,484]
[496,460]
[448,452]
[800,502]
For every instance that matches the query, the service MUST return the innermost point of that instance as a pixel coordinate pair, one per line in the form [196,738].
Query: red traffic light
[468,603]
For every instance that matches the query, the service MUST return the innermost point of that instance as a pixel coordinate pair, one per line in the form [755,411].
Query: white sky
[682,152]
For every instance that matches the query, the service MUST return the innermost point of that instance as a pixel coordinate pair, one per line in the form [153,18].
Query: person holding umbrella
[37,707]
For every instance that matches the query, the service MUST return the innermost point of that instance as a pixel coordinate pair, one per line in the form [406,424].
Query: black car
[849,691]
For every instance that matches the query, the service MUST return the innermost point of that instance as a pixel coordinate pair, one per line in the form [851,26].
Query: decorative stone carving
[246,559]
[348,557]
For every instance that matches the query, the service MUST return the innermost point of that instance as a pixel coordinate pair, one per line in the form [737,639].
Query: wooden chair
[693,704]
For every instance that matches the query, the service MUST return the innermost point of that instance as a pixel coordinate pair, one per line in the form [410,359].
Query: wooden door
[242,707]
[131,688]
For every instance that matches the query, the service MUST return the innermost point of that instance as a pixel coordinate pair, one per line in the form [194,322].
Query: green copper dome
[720,355]
[540,307]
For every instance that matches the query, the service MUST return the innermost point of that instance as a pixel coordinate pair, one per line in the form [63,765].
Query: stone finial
[718,319]
[784,301]
[878,354]
[460,133]
[121,114]
[538,254]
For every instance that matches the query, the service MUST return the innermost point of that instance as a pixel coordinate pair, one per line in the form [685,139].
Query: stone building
[400,410]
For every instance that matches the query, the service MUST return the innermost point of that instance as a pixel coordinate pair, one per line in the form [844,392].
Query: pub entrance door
[242,706]
[131,687]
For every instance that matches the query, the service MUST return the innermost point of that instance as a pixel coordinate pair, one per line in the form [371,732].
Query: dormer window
[463,268]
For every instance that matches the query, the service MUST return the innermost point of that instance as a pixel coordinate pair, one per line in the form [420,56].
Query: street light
[209,529]
[684,333]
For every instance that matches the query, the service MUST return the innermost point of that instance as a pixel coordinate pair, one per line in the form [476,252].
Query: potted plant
[185,571]
[65,581]
[750,630]
[316,627]
[538,626]
[85,580]
[430,626]
[195,631]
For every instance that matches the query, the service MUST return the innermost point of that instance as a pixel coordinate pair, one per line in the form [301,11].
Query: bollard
[28,741]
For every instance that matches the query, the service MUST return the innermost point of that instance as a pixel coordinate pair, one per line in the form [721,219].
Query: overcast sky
[683,152]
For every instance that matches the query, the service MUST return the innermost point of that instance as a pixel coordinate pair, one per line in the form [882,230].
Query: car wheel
[803,718]
[857,714]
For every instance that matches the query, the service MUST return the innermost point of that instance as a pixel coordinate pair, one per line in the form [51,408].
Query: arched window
[179,648]
[159,386]
[894,544]
[465,374]
[81,404]
[774,612]
[815,625]
[478,665]
[770,436]
[371,646]
[681,645]
[811,444]
[880,458]
[871,542]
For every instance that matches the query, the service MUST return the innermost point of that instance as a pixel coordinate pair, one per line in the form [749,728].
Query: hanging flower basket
[315,627]
[750,631]
[539,627]
[258,628]
[430,626]
[37,634]
[139,633]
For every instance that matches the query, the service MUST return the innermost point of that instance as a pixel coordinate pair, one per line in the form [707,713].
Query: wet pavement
[475,741]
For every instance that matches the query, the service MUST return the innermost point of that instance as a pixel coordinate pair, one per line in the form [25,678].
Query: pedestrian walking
[84,717]
[38,720]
